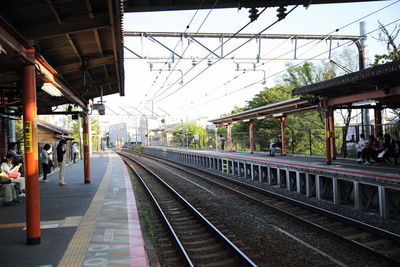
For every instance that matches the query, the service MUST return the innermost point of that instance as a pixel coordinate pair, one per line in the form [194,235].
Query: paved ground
[81,224]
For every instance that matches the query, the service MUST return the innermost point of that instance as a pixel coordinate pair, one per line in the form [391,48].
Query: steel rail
[343,219]
[170,228]
[242,256]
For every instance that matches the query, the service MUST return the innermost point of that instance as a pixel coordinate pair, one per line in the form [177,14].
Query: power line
[279,72]
[215,3]
[245,26]
[166,62]
[346,25]
[279,19]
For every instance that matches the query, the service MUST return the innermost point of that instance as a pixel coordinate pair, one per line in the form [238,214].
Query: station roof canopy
[78,49]
[380,84]
[277,110]
[162,5]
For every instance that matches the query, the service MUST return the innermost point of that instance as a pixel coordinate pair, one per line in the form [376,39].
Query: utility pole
[147,131]
[362,62]
[187,133]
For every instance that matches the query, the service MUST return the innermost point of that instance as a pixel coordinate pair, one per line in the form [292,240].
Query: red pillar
[332,128]
[251,137]
[3,137]
[327,139]
[31,153]
[378,121]
[86,151]
[282,120]
[229,136]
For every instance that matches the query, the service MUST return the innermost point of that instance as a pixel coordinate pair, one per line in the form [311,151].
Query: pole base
[87,181]
[33,241]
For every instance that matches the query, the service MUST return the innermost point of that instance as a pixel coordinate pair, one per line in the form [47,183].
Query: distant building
[118,135]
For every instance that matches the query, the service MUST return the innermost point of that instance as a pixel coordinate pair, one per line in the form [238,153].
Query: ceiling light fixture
[51,90]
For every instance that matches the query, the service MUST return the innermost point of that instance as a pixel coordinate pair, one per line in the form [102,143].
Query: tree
[76,130]
[390,40]
[194,133]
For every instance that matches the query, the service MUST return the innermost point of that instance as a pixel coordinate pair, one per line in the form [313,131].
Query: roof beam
[114,43]
[53,9]
[90,9]
[50,30]
[90,63]
[394,91]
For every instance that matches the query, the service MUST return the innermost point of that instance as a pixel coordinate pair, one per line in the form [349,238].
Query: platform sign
[85,139]
[28,137]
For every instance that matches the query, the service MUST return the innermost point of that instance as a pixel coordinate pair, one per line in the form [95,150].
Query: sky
[203,92]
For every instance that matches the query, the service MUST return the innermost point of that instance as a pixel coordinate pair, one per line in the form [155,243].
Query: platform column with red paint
[282,120]
[3,137]
[332,128]
[229,136]
[86,149]
[378,121]
[328,134]
[31,152]
[251,137]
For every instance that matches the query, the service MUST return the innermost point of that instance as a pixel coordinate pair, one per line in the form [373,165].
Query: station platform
[389,173]
[94,224]
[371,188]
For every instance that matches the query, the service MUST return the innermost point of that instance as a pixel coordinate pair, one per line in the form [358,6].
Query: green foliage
[19,135]
[137,148]
[191,132]
[384,58]
[301,128]
[75,130]
[394,131]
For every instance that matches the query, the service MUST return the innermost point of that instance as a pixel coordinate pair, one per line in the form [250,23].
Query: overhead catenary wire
[204,58]
[166,62]
[184,52]
[281,71]
[290,51]
[272,24]
[335,30]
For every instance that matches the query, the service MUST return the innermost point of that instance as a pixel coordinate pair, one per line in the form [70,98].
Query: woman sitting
[13,173]
[10,196]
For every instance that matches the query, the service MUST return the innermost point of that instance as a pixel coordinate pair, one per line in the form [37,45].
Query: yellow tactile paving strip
[77,247]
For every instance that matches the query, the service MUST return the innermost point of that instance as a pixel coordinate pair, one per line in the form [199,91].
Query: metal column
[378,121]
[332,128]
[251,137]
[31,152]
[3,137]
[86,153]
[229,136]
[282,120]
[327,139]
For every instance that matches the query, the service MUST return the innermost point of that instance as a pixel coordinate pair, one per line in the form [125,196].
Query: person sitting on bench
[13,173]
[10,196]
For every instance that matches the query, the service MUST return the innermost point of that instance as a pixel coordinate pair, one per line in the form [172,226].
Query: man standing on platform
[61,158]
[222,141]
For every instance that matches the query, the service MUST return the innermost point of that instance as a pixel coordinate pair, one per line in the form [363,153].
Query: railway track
[381,243]
[198,242]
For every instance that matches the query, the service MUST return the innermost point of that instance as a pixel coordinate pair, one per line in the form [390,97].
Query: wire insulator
[253,14]
[281,13]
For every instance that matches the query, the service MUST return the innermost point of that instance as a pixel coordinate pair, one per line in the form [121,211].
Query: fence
[298,141]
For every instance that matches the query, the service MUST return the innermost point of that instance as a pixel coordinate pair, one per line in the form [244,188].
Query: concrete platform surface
[92,224]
